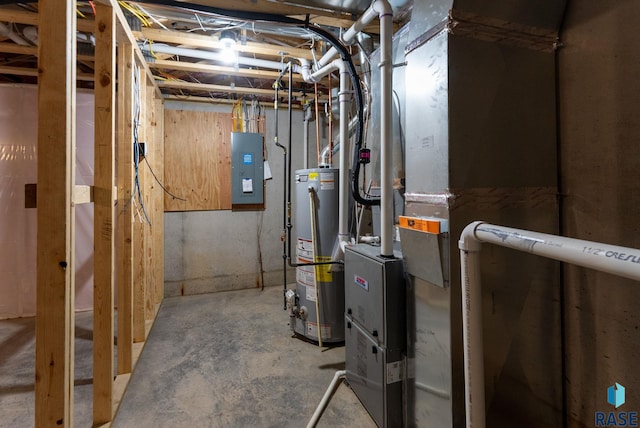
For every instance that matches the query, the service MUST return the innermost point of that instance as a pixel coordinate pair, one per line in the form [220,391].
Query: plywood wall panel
[197,155]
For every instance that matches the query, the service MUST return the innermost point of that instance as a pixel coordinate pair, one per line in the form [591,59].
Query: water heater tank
[318,207]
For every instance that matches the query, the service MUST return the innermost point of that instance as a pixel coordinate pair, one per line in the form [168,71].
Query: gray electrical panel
[375,338]
[247,168]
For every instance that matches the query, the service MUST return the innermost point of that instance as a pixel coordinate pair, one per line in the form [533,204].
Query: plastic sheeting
[18,166]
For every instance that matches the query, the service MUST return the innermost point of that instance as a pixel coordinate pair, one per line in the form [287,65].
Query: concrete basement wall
[599,94]
[210,251]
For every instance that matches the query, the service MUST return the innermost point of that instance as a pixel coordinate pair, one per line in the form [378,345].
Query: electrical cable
[329,38]
[160,184]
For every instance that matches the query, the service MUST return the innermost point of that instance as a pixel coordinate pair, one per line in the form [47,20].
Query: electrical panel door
[247,168]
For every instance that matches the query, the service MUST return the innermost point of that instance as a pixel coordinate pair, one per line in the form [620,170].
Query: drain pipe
[333,386]
[383,11]
[622,261]
[386,129]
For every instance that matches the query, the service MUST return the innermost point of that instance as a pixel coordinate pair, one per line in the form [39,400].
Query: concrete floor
[213,360]
[17,371]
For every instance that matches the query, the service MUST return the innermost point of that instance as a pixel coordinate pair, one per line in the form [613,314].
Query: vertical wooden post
[103,214]
[125,207]
[149,186]
[139,226]
[158,166]
[56,219]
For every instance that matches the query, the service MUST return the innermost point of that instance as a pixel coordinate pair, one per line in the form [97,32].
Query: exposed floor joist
[202,41]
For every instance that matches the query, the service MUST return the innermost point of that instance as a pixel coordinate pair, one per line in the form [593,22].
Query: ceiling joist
[30,18]
[202,41]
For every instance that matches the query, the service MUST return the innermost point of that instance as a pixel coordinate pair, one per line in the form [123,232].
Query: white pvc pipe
[214,56]
[377,9]
[333,386]
[386,130]
[344,97]
[7,31]
[314,257]
[622,261]
[308,116]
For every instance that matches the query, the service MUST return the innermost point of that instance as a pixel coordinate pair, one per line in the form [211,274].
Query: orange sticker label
[421,224]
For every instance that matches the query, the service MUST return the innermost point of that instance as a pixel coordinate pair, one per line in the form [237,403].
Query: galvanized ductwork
[479,123]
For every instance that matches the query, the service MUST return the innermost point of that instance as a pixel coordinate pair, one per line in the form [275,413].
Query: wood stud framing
[57,196]
[104,139]
[124,207]
[56,220]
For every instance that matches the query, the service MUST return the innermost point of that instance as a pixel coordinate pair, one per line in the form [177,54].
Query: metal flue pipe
[622,261]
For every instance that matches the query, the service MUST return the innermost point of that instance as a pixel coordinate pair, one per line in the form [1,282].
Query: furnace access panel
[247,168]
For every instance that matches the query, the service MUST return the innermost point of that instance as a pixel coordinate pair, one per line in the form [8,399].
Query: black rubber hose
[355,82]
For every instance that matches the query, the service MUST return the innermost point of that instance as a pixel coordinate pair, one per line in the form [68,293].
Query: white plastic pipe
[377,9]
[308,116]
[314,257]
[333,386]
[386,130]
[7,31]
[381,9]
[622,261]
[214,56]
[344,97]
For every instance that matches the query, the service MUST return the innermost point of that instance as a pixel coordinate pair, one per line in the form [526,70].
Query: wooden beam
[32,72]
[31,18]
[139,226]
[214,88]
[216,69]
[56,215]
[202,87]
[124,208]
[8,47]
[202,41]
[82,194]
[146,135]
[125,35]
[103,276]
[158,166]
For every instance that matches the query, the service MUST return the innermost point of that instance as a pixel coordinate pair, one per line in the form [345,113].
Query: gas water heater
[317,308]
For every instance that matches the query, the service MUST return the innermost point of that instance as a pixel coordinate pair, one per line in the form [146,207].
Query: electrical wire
[160,184]
[136,142]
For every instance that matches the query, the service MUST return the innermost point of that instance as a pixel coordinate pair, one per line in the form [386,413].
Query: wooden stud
[139,225]
[211,42]
[56,215]
[216,69]
[214,88]
[124,207]
[31,18]
[158,166]
[104,90]
[150,229]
